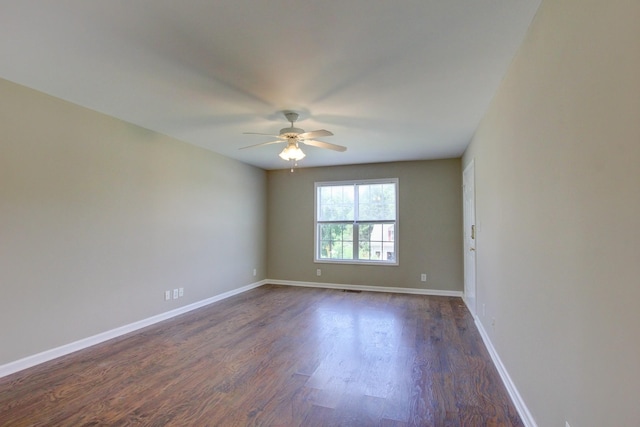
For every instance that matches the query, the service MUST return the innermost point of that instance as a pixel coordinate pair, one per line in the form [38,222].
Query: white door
[469,199]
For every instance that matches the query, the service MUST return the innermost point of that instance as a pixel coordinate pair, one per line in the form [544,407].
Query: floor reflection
[359,353]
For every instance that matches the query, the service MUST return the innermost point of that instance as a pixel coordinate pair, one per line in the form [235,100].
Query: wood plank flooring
[277,356]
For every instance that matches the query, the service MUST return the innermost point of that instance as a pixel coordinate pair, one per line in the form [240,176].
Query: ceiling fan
[292,136]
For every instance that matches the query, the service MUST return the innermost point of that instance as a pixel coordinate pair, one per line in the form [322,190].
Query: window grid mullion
[356,226]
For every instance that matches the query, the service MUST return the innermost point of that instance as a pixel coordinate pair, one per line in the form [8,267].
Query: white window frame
[356,222]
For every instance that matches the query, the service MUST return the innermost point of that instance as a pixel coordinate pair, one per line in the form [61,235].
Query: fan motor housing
[291,130]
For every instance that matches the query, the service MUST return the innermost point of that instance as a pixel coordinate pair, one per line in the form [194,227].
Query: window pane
[364,250]
[336,203]
[325,249]
[365,231]
[336,232]
[376,202]
[389,232]
[376,233]
[336,241]
[376,242]
[347,250]
[388,252]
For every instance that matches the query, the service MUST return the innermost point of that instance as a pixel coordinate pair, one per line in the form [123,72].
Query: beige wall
[99,217]
[557,161]
[430,232]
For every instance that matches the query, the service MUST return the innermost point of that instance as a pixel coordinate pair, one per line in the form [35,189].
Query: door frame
[469,235]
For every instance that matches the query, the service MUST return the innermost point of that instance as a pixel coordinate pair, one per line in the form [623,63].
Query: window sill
[356,262]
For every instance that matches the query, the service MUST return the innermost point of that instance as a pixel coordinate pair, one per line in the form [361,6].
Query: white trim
[342,286]
[469,217]
[63,350]
[518,402]
[356,221]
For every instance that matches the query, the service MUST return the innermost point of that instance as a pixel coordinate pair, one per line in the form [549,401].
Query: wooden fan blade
[260,145]
[321,144]
[315,134]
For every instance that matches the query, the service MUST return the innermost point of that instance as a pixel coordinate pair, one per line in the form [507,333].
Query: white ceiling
[393,80]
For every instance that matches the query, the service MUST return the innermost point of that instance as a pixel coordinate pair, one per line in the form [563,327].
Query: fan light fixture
[292,136]
[292,152]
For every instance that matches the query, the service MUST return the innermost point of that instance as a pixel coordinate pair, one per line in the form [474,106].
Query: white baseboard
[341,286]
[63,350]
[518,402]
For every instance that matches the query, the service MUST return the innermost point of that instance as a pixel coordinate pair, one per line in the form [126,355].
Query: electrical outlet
[493,322]
[423,277]
[175,294]
[318,272]
[255,272]
[181,292]
[167,295]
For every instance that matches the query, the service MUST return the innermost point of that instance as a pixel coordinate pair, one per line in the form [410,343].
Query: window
[356,222]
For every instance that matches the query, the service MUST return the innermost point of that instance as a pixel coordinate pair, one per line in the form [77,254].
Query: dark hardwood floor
[277,356]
